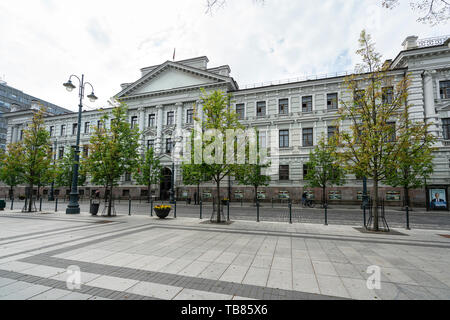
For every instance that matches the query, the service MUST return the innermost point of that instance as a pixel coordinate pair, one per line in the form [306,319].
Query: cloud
[98,33]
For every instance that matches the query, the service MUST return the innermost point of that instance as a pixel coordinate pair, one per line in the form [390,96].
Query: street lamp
[74,207]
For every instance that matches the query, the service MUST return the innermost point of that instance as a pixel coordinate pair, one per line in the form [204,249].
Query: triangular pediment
[171,75]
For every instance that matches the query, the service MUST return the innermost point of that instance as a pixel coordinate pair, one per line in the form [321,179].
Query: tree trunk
[197,200]
[323,195]
[11,193]
[218,202]
[110,200]
[30,197]
[375,204]
[256,194]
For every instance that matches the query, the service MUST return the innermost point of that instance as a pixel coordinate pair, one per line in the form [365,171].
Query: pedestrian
[304,197]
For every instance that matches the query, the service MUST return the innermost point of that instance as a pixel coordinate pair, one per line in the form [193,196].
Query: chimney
[410,42]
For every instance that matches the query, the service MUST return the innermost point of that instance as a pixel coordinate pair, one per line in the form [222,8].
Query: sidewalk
[139,257]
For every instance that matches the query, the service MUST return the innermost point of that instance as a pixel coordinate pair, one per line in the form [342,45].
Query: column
[11,132]
[16,133]
[430,112]
[159,126]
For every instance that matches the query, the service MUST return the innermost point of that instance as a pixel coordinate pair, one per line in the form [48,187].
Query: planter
[94,208]
[2,205]
[162,213]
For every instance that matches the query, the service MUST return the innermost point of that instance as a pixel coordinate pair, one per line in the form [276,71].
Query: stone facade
[162,101]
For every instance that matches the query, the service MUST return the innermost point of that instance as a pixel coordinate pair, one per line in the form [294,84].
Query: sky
[43,42]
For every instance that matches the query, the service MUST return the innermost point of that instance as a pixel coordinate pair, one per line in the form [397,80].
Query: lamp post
[74,207]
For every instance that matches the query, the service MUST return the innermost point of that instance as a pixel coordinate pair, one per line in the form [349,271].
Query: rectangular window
[150,144]
[284,138]
[446,127]
[52,131]
[307,104]
[387,94]
[169,145]
[358,98]
[85,151]
[63,130]
[260,108]
[332,101]
[133,121]
[391,132]
[262,139]
[284,172]
[74,128]
[332,130]
[240,111]
[127,178]
[305,170]
[100,124]
[151,120]
[87,127]
[170,116]
[307,137]
[61,153]
[190,116]
[444,89]
[283,106]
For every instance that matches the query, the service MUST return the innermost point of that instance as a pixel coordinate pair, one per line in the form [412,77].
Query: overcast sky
[44,41]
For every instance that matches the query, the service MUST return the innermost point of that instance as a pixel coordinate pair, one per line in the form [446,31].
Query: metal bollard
[257,210]
[201,206]
[326,215]
[364,215]
[151,207]
[175,209]
[407,218]
[12,203]
[129,206]
[56,205]
[228,210]
[40,204]
[290,212]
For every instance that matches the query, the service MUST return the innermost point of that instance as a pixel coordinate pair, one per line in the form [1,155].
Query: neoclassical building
[290,115]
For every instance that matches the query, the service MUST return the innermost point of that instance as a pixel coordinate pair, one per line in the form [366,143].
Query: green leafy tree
[64,171]
[194,174]
[324,168]
[113,151]
[149,171]
[378,125]
[11,166]
[36,157]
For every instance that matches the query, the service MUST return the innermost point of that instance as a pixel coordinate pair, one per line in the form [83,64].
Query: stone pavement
[139,257]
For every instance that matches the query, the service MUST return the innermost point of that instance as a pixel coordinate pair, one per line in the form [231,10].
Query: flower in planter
[163,207]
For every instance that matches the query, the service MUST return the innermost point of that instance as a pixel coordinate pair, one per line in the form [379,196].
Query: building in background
[290,116]
[12,100]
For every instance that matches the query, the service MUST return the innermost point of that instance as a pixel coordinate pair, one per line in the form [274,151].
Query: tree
[149,171]
[373,142]
[415,159]
[114,151]
[433,11]
[64,170]
[194,174]
[35,157]
[324,168]
[11,167]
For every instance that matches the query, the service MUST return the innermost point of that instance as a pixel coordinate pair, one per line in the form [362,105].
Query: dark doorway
[166,184]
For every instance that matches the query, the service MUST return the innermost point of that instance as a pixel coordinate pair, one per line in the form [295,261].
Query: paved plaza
[142,257]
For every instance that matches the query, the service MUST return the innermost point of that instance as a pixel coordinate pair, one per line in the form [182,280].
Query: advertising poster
[438,199]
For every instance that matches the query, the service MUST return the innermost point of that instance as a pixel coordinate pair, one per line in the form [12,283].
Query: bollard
[56,204]
[40,204]
[129,206]
[175,209]
[257,210]
[290,212]
[12,203]
[26,202]
[201,204]
[407,218]
[326,215]
[228,210]
[364,215]
[151,207]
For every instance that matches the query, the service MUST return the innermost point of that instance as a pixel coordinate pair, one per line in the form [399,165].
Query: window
[190,116]
[150,144]
[387,94]
[307,104]
[87,127]
[260,108]
[284,138]
[61,153]
[240,111]
[446,127]
[262,139]
[125,192]
[85,151]
[52,131]
[127,177]
[21,135]
[358,98]
[391,132]
[170,116]
[305,170]
[332,130]
[444,89]
[332,101]
[169,145]
[63,130]
[283,106]
[74,128]
[284,172]
[100,124]
[307,137]
[133,121]
[151,120]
